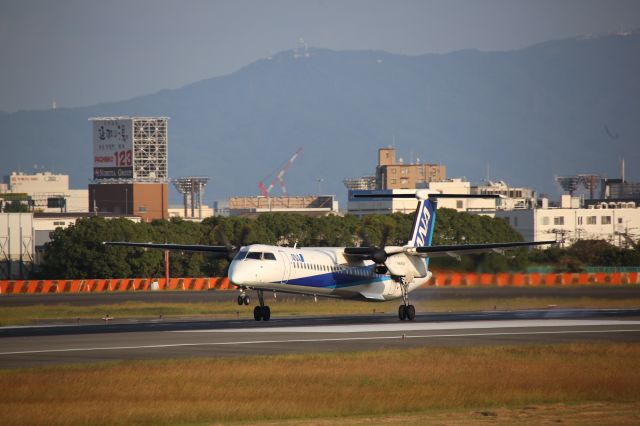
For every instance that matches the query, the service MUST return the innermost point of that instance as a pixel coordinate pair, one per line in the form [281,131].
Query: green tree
[16,207]
[77,252]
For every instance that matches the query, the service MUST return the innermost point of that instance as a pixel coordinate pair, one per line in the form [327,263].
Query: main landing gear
[261,312]
[406,311]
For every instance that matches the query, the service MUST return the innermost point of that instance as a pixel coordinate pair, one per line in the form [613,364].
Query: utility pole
[166,269]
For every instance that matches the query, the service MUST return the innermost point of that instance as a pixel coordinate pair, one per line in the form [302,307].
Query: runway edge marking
[342,339]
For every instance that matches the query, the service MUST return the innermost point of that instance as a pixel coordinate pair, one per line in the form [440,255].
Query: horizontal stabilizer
[449,250]
[424,194]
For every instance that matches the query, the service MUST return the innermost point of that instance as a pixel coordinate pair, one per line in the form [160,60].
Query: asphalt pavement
[127,340]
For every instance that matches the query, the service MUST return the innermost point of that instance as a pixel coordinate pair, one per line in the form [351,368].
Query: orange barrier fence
[116,284]
[456,279]
[440,279]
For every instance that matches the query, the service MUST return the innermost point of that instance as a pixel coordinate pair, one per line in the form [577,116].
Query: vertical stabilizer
[424,222]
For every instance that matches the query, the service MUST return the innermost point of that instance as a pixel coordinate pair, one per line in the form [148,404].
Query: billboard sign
[113,149]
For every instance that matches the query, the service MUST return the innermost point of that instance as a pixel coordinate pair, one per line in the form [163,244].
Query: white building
[612,222]
[512,197]
[484,206]
[45,189]
[178,211]
[16,244]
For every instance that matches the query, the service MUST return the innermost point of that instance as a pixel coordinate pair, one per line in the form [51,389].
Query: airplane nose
[236,275]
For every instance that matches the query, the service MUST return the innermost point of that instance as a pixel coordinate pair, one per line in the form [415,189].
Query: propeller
[231,249]
[369,251]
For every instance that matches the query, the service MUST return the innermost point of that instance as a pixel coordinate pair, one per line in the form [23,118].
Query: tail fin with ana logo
[423,224]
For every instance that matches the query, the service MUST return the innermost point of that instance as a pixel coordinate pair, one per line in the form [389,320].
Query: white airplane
[371,274]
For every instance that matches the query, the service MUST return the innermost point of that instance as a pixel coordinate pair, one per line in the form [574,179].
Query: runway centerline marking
[416,326]
[339,339]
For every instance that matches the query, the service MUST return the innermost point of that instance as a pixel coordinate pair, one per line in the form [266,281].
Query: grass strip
[328,386]
[24,315]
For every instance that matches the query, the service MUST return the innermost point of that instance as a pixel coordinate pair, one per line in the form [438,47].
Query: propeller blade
[385,236]
[231,250]
[246,230]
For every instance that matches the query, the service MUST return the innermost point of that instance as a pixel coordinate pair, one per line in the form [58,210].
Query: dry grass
[21,315]
[297,306]
[327,387]
[594,413]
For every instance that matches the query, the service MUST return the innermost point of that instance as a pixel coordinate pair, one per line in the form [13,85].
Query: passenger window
[269,256]
[254,255]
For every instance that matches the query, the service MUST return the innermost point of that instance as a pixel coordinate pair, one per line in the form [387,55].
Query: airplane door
[286,267]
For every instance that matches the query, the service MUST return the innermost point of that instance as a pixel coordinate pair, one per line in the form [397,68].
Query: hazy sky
[85,52]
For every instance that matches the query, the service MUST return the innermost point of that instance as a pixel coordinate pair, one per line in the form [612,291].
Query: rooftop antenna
[301,49]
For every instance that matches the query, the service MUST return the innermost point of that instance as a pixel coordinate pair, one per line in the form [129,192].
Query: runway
[49,345]
[422,294]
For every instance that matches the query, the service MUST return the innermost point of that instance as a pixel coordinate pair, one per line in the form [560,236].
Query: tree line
[78,252]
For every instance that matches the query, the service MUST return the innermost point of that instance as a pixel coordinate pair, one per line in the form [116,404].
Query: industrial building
[130,174]
[23,236]
[16,244]
[319,205]
[148,200]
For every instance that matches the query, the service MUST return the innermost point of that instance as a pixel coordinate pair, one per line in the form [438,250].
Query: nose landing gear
[243,298]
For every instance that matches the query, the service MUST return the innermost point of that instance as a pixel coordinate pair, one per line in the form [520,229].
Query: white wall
[601,224]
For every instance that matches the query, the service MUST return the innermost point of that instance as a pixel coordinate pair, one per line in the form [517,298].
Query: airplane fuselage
[322,271]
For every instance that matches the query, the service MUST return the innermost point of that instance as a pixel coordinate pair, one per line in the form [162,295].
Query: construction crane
[265,191]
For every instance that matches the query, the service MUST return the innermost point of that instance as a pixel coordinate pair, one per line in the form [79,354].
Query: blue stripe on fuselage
[335,280]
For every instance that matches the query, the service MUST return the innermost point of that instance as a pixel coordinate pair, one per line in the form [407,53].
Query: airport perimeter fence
[440,279]
[111,285]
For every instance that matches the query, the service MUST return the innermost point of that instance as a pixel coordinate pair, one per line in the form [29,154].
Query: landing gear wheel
[240,300]
[246,299]
[257,313]
[410,311]
[266,313]
[402,313]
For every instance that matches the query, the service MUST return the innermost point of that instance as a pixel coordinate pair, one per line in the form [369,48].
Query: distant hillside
[531,114]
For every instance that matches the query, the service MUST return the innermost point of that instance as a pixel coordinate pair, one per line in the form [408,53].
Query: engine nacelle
[404,265]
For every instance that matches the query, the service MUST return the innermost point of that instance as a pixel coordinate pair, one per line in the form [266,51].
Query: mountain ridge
[530,113]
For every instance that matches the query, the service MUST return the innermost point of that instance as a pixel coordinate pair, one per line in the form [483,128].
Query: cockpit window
[241,255]
[254,255]
[269,256]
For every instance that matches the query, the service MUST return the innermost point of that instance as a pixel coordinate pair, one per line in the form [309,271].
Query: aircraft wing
[223,250]
[448,250]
